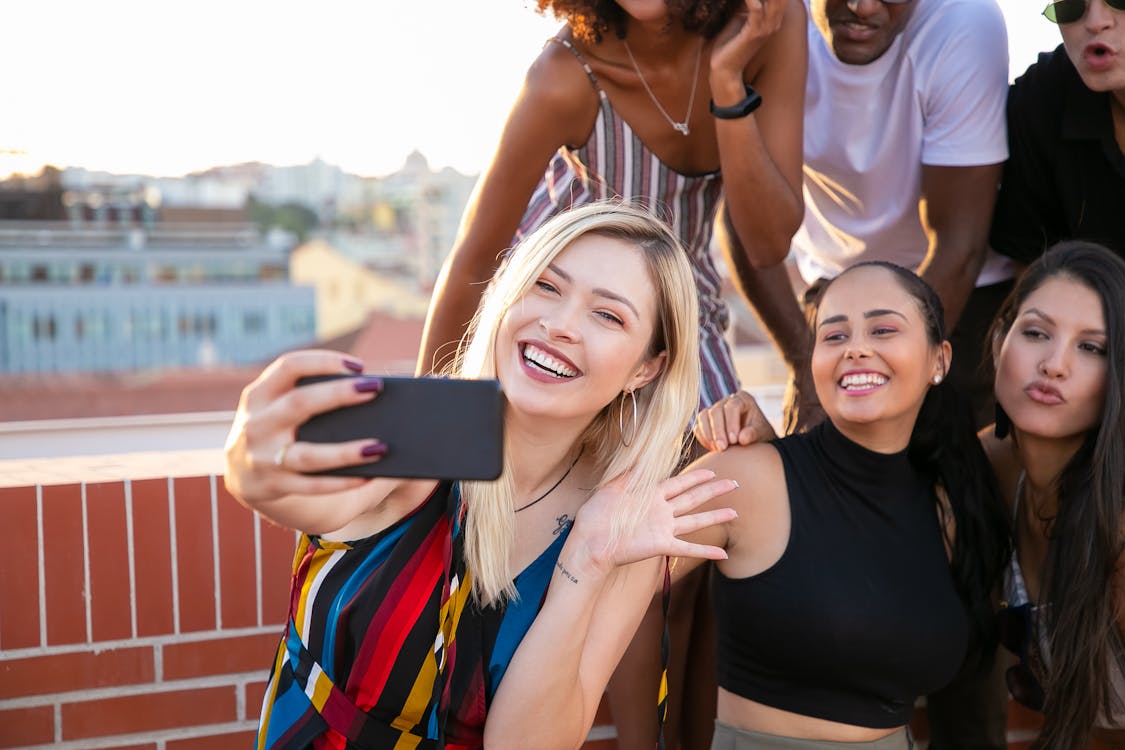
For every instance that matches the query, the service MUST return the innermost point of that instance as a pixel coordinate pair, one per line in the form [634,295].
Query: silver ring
[279,457]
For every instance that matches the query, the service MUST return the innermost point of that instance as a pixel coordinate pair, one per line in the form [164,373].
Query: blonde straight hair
[665,406]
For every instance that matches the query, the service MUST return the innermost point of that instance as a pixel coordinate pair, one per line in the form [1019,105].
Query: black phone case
[434,428]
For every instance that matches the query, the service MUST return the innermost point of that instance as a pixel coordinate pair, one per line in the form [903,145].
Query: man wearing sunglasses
[1065,178]
[903,146]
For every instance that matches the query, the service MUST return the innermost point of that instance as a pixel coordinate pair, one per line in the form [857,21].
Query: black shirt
[859,616]
[1065,176]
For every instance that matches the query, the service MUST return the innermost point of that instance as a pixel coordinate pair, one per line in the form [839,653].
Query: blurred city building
[133,309]
[112,294]
[348,291]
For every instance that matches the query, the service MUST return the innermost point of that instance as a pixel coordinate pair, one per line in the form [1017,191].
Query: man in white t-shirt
[904,141]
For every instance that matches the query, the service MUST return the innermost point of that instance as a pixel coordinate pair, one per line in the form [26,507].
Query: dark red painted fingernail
[368,385]
[371,450]
[353,364]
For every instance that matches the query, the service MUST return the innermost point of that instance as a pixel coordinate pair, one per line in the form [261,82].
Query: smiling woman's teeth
[545,361]
[862,380]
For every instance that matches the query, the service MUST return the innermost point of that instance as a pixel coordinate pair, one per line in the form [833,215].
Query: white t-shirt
[937,97]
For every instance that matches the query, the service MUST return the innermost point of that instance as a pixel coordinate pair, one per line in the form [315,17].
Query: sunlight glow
[132,86]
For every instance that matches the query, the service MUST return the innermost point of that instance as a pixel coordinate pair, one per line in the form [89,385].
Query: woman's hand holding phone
[267,469]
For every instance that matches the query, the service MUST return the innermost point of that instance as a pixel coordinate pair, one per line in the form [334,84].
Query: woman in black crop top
[865,551]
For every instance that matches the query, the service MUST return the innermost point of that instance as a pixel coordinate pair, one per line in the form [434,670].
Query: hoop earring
[621,419]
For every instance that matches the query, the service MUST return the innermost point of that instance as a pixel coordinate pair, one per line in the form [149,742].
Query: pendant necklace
[554,486]
[681,127]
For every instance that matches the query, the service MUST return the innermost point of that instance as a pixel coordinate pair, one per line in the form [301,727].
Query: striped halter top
[614,162]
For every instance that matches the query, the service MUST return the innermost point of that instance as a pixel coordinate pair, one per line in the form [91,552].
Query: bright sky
[137,86]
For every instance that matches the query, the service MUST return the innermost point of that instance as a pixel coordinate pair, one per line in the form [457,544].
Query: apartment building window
[92,324]
[19,328]
[297,321]
[253,322]
[43,327]
[198,324]
[271,272]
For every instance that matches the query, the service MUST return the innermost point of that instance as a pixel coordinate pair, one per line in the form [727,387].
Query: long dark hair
[1085,537]
[944,444]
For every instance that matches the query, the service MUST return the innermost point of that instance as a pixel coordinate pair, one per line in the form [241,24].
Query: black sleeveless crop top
[859,616]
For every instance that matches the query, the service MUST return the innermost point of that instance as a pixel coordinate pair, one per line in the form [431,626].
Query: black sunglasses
[1069,11]
[1014,624]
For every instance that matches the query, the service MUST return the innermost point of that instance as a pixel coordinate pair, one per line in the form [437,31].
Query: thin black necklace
[554,486]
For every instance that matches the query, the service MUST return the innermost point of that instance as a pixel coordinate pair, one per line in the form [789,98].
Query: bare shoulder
[559,90]
[758,537]
[752,466]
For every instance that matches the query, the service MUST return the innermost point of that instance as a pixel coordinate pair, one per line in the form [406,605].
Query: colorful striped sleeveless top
[384,647]
[614,162]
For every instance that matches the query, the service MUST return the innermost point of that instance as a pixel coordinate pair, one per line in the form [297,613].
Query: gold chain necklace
[681,127]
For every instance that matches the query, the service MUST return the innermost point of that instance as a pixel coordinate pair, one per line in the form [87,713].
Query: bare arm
[761,154]
[770,294]
[556,107]
[956,212]
[600,591]
[773,299]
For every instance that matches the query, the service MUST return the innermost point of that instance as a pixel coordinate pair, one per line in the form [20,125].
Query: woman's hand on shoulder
[671,511]
[733,420]
[265,464]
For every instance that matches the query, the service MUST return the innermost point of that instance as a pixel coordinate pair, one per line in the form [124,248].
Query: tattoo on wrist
[566,573]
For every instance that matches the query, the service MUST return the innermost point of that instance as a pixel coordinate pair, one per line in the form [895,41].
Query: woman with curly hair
[673,104]
[681,105]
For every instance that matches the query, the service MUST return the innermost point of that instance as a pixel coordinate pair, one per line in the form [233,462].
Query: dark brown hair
[1084,539]
[944,444]
[589,20]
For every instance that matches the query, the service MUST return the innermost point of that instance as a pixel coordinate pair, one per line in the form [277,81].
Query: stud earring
[937,379]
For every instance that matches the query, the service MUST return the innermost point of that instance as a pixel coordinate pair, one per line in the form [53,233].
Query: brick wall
[144,614]
[136,614]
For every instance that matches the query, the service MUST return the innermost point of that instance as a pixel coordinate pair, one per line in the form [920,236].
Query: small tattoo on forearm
[566,573]
[563,522]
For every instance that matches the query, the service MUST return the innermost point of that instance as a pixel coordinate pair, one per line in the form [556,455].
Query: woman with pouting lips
[1059,454]
[463,614]
[865,550]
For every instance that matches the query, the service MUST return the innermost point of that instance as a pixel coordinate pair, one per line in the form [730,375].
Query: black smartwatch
[752,101]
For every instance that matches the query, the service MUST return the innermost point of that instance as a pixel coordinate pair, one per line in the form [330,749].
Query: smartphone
[434,428]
